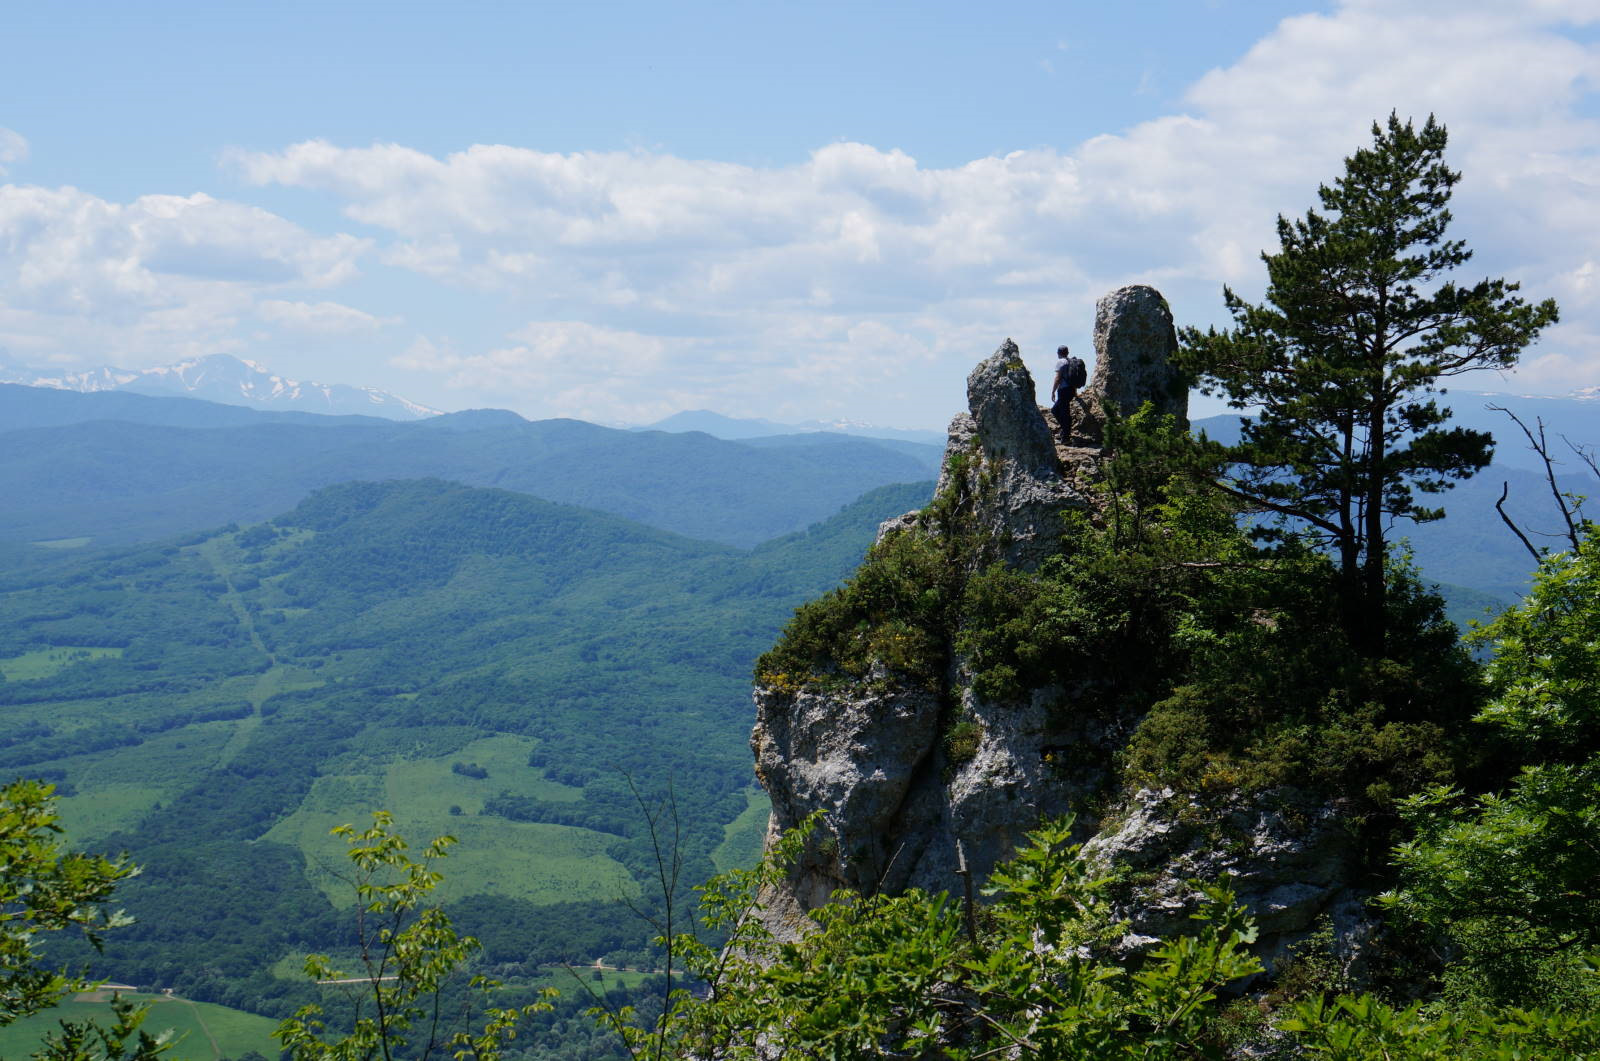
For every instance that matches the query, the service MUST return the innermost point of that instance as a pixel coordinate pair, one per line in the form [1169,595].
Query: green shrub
[961,742]
[894,610]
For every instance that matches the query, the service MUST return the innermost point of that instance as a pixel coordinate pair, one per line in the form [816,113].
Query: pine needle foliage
[1345,357]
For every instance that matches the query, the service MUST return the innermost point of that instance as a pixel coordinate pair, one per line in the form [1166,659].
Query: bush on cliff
[896,611]
[1030,974]
[1160,608]
[1036,973]
[1508,879]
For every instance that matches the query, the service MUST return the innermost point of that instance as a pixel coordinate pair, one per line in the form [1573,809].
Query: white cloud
[859,259]
[689,235]
[13,148]
[163,275]
[325,318]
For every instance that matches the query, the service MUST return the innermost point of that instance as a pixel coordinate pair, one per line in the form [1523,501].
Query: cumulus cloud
[13,148]
[858,261]
[161,275]
[506,216]
[324,318]
[855,281]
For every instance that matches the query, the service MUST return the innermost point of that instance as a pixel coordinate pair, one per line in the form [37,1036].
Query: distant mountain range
[1575,416]
[114,467]
[733,428]
[117,467]
[226,379]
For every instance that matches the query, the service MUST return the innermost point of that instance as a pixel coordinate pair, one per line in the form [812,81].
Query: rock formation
[873,757]
[1134,340]
[1289,859]
[878,754]
[1001,460]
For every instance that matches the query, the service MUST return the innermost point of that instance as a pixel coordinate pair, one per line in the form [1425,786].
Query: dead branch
[1541,447]
[1499,506]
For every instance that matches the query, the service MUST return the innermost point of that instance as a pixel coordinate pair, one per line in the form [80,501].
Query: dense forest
[516,672]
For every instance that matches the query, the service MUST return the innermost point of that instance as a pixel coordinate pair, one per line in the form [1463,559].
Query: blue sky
[790,210]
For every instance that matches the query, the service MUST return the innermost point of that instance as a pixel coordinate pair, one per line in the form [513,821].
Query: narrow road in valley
[269,682]
[216,1047]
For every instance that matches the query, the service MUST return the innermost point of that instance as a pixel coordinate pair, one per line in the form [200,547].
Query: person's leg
[1063,414]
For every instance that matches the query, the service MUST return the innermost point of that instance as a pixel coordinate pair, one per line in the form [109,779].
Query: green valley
[479,662]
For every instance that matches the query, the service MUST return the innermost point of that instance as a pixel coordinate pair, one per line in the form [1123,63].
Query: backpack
[1076,373]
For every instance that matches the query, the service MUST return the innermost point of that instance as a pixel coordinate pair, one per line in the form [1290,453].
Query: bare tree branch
[1539,446]
[1499,506]
[1585,454]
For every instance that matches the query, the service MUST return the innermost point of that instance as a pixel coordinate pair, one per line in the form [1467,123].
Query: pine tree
[1345,357]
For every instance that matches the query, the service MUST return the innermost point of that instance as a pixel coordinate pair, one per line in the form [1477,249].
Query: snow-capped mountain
[227,379]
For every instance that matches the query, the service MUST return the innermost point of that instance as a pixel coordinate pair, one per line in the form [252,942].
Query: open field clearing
[203,1031]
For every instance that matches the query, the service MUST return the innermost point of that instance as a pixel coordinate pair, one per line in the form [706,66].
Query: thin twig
[613,1018]
[1585,454]
[1541,447]
[1499,506]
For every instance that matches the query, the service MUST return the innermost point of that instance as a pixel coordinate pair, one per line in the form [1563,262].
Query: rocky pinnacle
[897,798]
[1134,342]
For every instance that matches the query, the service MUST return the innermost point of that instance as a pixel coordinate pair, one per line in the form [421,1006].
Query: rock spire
[1134,343]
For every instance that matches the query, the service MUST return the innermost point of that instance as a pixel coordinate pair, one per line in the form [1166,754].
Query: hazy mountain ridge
[741,428]
[228,380]
[25,406]
[166,466]
[1573,415]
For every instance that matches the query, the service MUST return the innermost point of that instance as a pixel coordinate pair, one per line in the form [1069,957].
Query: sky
[786,210]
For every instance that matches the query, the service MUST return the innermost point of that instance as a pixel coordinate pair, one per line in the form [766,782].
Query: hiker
[1071,373]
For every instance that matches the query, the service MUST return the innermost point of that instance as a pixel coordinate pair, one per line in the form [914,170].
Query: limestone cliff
[913,774]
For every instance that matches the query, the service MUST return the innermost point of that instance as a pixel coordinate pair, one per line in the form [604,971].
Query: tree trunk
[1372,635]
[1350,592]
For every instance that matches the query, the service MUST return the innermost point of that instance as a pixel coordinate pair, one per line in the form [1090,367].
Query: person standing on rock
[1071,373]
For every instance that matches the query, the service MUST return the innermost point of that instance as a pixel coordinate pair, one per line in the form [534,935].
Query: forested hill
[186,465]
[477,661]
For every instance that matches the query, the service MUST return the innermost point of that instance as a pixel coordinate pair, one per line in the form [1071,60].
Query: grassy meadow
[201,1031]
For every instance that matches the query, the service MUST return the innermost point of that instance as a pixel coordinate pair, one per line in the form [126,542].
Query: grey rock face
[855,754]
[1134,343]
[873,756]
[875,760]
[1005,411]
[1000,463]
[1000,466]
[1289,858]
[960,441]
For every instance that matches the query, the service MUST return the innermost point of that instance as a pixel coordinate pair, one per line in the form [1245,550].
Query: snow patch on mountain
[230,380]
